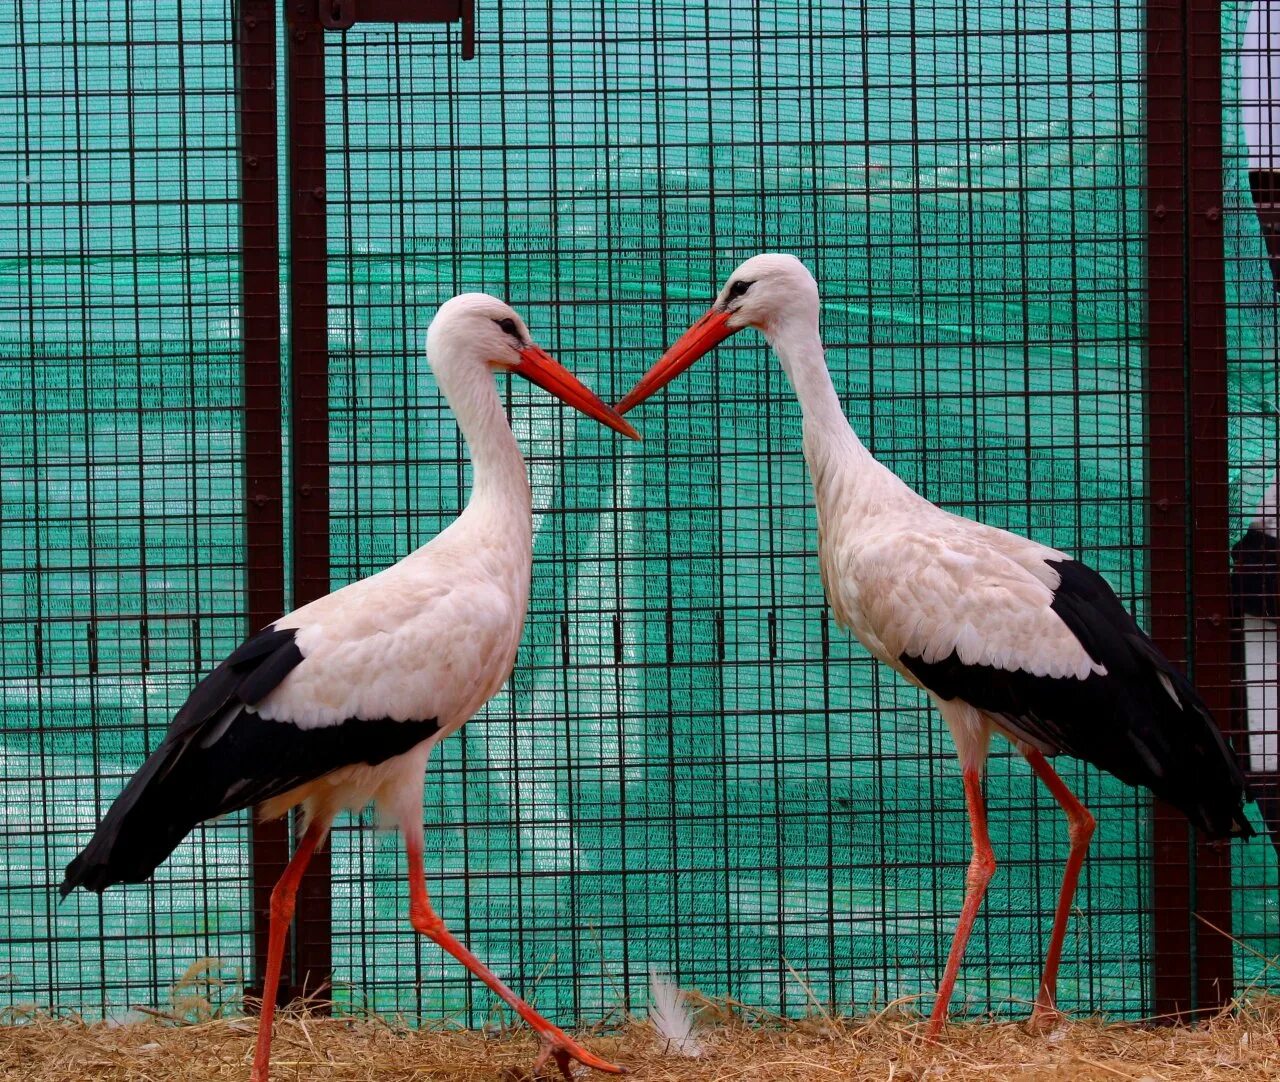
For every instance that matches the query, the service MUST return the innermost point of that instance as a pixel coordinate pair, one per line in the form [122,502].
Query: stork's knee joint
[1082,827]
[282,905]
[428,923]
[981,868]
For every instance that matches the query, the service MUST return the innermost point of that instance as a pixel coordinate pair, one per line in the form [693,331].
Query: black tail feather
[169,794]
[134,837]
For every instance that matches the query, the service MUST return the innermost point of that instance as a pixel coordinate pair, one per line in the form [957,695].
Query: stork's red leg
[556,1044]
[282,898]
[981,868]
[1081,826]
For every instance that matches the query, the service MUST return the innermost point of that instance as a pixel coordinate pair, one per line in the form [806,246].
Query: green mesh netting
[121,504]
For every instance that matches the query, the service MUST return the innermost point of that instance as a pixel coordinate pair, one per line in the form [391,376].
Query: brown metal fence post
[309,409]
[1187,465]
[1210,583]
[308,966]
[260,307]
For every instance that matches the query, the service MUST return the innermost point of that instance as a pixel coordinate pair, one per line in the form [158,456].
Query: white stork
[1255,597]
[1007,636]
[340,702]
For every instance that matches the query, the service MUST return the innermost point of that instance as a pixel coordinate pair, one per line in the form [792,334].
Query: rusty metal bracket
[337,14]
[344,14]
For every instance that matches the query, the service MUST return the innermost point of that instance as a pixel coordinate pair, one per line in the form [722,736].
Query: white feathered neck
[838,460]
[500,476]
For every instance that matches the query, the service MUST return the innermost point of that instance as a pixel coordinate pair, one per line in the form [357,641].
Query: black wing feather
[267,674]
[1127,722]
[217,758]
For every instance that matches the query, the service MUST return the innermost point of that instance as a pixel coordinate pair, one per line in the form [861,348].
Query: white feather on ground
[670,1016]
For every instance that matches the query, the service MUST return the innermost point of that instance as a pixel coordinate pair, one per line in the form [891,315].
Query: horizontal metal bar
[344,14]
[407,11]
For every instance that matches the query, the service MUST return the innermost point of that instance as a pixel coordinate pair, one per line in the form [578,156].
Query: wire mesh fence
[121,450]
[692,768]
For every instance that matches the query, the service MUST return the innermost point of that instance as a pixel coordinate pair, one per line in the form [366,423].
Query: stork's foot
[261,1071]
[1044,1019]
[559,1047]
[937,1023]
[556,1044]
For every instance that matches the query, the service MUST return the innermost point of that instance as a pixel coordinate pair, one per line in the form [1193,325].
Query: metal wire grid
[1252,338]
[120,452]
[693,769]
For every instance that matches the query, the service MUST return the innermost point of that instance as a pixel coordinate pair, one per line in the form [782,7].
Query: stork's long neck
[841,466]
[826,428]
[499,476]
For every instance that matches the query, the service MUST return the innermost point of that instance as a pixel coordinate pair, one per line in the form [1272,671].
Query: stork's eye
[739,288]
[507,326]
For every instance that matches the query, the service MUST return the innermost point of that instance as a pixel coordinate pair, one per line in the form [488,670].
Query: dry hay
[737,1047]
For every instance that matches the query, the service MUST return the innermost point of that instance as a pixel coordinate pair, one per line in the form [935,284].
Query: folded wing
[1042,644]
[220,755]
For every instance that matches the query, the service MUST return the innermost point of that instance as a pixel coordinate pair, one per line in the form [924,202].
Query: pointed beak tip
[543,370]
[712,329]
[623,427]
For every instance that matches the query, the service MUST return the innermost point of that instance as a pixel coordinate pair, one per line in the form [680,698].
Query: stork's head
[479,330]
[769,292]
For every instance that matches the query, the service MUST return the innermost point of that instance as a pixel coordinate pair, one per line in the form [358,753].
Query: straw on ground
[1240,1044]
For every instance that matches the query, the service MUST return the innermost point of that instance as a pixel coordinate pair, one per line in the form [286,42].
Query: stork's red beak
[701,338]
[541,368]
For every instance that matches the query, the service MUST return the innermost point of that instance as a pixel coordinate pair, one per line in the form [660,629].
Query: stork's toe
[563,1049]
[1045,1020]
